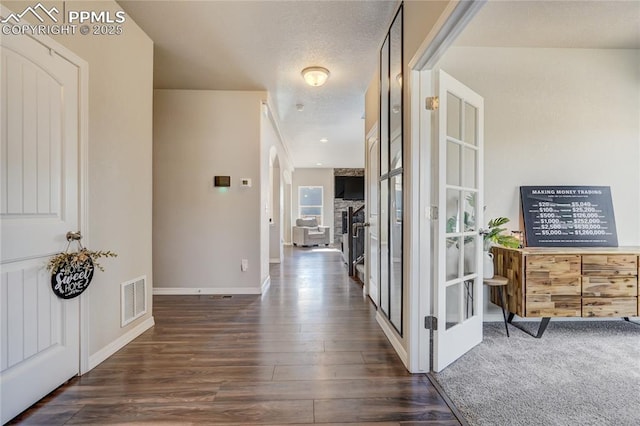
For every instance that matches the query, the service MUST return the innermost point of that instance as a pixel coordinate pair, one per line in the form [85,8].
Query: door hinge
[432,103]
[431,322]
[432,212]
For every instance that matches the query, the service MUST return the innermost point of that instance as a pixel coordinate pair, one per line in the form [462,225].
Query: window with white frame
[310,202]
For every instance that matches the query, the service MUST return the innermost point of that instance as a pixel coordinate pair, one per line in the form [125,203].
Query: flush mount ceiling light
[315,76]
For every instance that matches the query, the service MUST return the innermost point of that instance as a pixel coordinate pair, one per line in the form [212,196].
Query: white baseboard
[113,347]
[393,339]
[274,260]
[265,284]
[184,291]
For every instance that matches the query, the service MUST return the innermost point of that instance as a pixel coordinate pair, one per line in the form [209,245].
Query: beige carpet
[578,373]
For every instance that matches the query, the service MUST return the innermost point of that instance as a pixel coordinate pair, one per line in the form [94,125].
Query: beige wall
[201,233]
[120,167]
[372,103]
[315,177]
[419,18]
[557,117]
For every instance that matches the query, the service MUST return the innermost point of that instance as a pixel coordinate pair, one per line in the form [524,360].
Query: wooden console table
[568,282]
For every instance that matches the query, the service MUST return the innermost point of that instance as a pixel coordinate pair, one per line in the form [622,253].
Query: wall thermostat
[245,182]
[224,181]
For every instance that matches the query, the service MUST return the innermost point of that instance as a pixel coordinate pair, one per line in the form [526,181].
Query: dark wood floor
[307,351]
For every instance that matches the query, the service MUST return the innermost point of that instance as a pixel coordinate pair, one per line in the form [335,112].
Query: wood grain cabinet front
[553,286]
[609,286]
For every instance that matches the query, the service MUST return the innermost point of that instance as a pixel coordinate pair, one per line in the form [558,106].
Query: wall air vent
[133,299]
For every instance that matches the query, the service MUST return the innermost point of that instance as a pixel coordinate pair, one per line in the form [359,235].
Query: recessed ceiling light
[299,107]
[324,140]
[318,164]
[315,76]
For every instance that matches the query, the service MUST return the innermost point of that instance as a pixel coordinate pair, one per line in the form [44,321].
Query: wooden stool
[500,282]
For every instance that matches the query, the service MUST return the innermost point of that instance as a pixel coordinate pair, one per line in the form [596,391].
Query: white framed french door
[458,285]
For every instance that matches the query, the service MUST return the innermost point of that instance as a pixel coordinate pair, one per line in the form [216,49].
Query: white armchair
[308,233]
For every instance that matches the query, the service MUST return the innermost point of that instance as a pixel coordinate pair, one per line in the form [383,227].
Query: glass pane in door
[469,212]
[470,169]
[470,124]
[384,108]
[395,92]
[384,246]
[453,255]
[395,240]
[453,296]
[453,163]
[453,116]
[454,218]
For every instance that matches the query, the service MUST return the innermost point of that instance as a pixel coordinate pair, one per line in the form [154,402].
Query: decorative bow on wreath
[72,272]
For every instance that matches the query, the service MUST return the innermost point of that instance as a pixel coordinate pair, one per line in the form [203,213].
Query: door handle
[74,236]
[366,224]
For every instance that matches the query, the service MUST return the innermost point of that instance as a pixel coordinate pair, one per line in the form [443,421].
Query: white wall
[557,117]
[201,233]
[315,177]
[120,168]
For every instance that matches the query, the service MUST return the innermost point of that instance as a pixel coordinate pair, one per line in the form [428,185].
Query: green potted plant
[494,235]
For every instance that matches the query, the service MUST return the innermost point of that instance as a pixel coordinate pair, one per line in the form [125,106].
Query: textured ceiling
[263,45]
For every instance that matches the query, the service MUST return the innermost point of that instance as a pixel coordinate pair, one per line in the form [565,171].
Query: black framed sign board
[568,216]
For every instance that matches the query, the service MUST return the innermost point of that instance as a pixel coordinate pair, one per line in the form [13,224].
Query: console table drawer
[620,286]
[553,266]
[539,283]
[609,265]
[547,305]
[609,306]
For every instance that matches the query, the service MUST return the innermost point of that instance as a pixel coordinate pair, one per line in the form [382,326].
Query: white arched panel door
[39,202]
